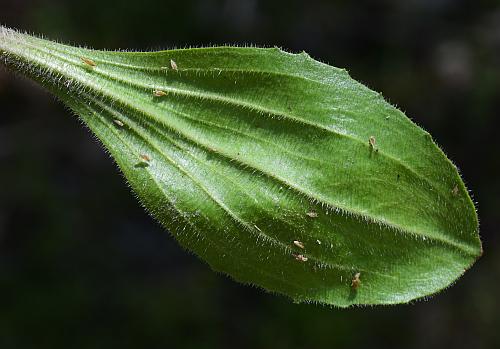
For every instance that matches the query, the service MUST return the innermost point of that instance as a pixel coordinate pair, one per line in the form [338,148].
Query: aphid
[373,143]
[300,257]
[173,65]
[455,190]
[118,122]
[298,244]
[145,158]
[88,62]
[312,214]
[356,282]
[159,93]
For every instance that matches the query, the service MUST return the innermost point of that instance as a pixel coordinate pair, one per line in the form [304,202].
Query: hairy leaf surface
[276,169]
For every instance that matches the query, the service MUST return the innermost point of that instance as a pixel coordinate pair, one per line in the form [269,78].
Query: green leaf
[276,169]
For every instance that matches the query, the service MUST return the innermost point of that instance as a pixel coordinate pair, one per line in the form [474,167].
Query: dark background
[82,265]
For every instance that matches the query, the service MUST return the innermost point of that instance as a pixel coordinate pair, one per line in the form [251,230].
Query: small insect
[455,190]
[145,158]
[173,65]
[356,282]
[372,142]
[300,257]
[298,244]
[118,123]
[312,214]
[159,93]
[318,242]
[88,62]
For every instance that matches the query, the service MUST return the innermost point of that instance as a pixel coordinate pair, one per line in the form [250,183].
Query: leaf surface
[276,169]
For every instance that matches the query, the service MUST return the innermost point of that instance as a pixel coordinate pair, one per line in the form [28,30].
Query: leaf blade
[245,142]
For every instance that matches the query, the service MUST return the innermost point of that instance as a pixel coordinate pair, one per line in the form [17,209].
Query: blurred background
[83,266]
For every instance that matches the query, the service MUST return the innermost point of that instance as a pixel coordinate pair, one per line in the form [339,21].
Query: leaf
[276,169]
